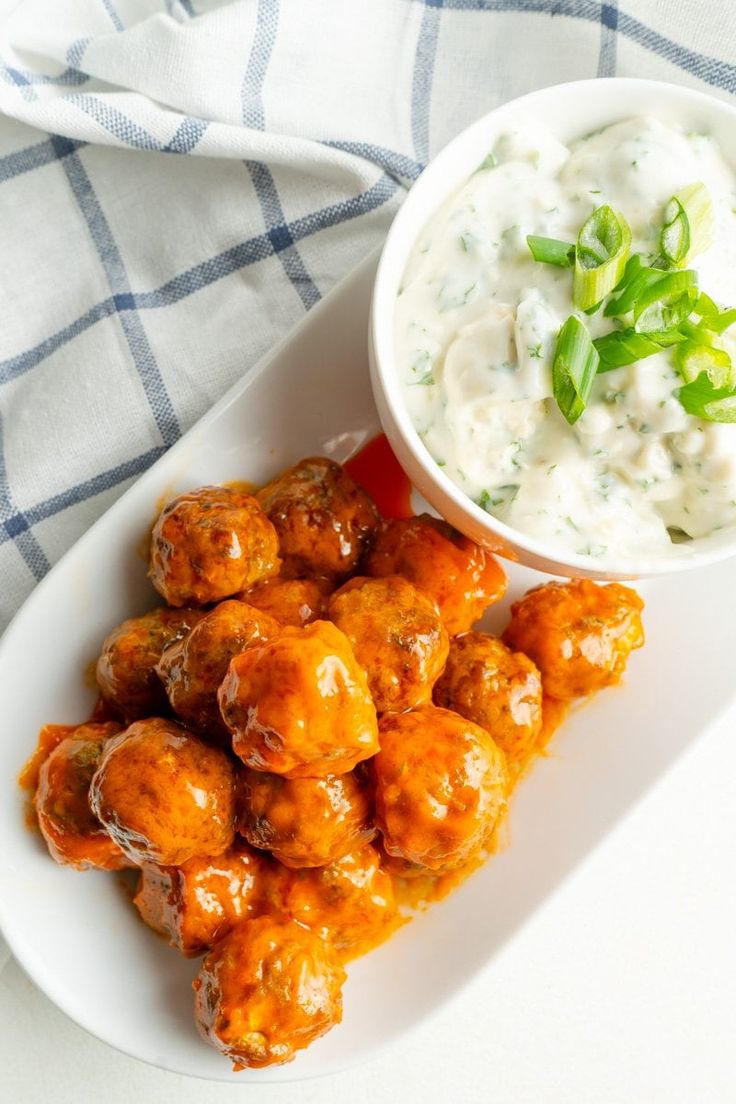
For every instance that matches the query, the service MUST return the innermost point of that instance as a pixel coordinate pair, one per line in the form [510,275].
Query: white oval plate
[78,937]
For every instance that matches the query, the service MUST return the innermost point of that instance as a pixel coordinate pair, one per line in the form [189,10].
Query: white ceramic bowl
[570,111]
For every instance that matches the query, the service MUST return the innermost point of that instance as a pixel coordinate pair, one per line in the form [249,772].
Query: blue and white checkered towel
[181,179]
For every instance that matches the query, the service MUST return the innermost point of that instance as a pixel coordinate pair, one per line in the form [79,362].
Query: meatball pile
[307,721]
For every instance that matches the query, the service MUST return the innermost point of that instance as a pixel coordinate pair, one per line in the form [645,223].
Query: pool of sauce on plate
[49,738]
[376,469]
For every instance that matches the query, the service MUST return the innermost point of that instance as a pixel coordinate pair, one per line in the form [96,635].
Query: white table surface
[620,990]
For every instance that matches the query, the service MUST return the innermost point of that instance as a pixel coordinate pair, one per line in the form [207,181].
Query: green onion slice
[688,224]
[636,279]
[664,314]
[695,359]
[668,337]
[721,410]
[601,254]
[573,369]
[722,320]
[713,318]
[706,307]
[674,239]
[665,302]
[703,400]
[551,251]
[659,305]
[698,332]
[623,347]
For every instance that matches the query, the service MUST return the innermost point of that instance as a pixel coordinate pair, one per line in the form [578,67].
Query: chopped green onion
[722,410]
[693,359]
[600,236]
[636,279]
[573,369]
[703,400]
[688,224]
[664,314]
[621,347]
[551,251]
[633,266]
[601,254]
[668,337]
[705,306]
[659,305]
[674,240]
[666,302]
[722,321]
[714,319]
[697,332]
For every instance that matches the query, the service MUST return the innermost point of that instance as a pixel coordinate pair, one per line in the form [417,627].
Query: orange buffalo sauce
[101,711]
[378,935]
[49,738]
[376,469]
[418,892]
[554,712]
[242,486]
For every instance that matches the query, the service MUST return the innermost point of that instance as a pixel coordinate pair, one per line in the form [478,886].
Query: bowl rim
[527,549]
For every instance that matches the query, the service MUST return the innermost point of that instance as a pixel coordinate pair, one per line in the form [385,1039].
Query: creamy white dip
[475,329]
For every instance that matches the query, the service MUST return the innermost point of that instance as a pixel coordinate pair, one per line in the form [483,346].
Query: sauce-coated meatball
[72,832]
[201,901]
[305,821]
[441,786]
[397,636]
[299,705]
[461,576]
[209,544]
[126,669]
[164,795]
[579,634]
[324,520]
[290,601]
[193,668]
[350,903]
[498,689]
[269,988]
